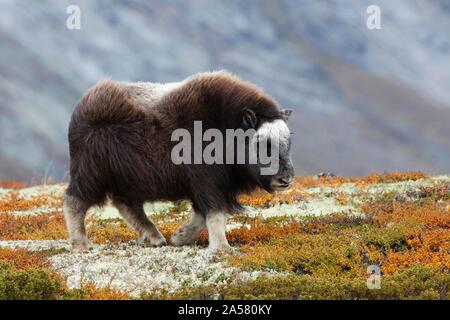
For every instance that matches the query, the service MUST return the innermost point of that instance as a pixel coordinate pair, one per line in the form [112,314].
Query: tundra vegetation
[312,241]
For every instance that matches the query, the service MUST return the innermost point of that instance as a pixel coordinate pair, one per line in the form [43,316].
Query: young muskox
[120,139]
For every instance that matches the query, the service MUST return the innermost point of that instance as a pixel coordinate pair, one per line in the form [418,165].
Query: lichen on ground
[314,241]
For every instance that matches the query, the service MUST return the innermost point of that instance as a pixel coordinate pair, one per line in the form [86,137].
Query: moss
[183,206]
[26,275]
[34,284]
[306,254]
[393,237]
[259,232]
[89,291]
[416,282]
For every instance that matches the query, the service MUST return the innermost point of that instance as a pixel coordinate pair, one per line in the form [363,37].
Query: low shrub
[33,284]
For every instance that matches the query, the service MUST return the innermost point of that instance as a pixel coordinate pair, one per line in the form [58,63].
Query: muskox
[120,141]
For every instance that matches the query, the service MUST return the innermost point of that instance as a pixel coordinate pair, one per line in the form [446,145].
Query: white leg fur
[74,215]
[216,223]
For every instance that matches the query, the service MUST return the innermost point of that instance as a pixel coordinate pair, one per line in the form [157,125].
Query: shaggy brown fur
[120,149]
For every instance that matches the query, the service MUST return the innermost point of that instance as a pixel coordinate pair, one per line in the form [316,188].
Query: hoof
[222,249]
[182,238]
[81,246]
[148,241]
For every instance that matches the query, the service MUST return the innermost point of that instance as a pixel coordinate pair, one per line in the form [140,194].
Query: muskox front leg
[135,217]
[216,223]
[189,231]
[74,214]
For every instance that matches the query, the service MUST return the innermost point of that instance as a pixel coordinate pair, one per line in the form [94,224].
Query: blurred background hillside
[365,100]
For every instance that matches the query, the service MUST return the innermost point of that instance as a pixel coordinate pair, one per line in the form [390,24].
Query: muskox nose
[286,180]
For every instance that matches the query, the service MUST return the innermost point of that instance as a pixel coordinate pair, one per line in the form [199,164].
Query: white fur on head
[277,128]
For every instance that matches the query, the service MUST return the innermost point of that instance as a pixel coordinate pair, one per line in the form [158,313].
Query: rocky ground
[316,240]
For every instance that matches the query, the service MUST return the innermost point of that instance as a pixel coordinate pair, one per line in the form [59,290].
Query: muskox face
[275,137]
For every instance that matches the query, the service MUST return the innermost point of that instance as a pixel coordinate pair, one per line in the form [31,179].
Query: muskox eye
[249,119]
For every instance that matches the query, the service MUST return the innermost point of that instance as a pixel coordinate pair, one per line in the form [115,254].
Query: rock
[327,175]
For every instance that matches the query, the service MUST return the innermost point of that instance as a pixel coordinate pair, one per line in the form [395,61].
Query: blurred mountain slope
[365,100]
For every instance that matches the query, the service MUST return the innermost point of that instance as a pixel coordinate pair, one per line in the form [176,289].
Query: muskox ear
[286,113]
[249,119]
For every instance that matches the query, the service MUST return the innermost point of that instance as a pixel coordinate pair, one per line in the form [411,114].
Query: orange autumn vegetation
[315,254]
[23,259]
[88,291]
[13,202]
[310,182]
[39,227]
[263,199]
[341,199]
[168,228]
[427,213]
[395,235]
[110,232]
[260,232]
[51,226]
[12,184]
[118,232]
[427,221]
[258,199]
[297,191]
[431,248]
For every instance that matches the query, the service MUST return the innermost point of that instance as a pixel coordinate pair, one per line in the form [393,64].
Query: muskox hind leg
[135,216]
[216,223]
[74,215]
[188,232]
